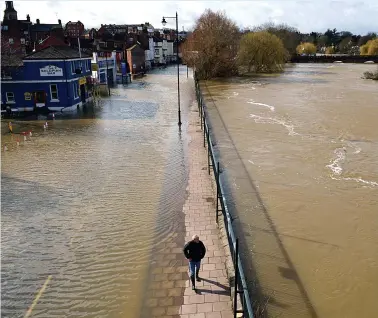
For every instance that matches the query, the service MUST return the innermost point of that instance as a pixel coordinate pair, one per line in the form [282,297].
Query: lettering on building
[51,70]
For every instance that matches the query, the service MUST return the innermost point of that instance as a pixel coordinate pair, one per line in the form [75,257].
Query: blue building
[55,78]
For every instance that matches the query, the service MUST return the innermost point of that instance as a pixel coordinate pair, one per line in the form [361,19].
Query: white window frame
[10,101]
[57,93]
[11,41]
[76,90]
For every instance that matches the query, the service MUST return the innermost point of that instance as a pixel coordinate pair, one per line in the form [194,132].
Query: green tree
[306,48]
[289,35]
[370,48]
[330,50]
[262,52]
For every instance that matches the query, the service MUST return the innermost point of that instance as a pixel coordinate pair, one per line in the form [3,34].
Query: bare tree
[213,46]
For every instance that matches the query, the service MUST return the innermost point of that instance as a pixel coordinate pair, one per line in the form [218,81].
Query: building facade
[53,79]
[74,29]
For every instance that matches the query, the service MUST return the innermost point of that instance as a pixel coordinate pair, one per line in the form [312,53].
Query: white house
[160,51]
[170,55]
[104,61]
[150,53]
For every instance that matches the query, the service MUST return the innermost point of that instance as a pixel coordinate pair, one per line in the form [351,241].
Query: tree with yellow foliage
[261,52]
[330,50]
[306,48]
[370,48]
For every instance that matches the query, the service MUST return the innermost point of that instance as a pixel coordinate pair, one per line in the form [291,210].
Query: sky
[359,17]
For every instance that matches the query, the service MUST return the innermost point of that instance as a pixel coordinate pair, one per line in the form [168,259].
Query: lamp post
[164,22]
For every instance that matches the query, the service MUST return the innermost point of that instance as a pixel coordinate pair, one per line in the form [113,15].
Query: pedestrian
[194,251]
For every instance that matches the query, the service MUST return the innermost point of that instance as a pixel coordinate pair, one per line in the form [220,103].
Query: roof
[44,27]
[56,52]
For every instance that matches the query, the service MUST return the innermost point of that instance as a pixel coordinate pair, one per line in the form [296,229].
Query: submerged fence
[221,206]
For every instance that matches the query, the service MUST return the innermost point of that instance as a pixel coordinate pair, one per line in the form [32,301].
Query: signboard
[51,70]
[124,68]
[82,80]
[27,96]
[94,67]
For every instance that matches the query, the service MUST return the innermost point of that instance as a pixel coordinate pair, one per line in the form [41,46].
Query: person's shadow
[226,290]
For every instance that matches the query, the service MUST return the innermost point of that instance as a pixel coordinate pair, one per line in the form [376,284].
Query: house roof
[56,52]
[11,60]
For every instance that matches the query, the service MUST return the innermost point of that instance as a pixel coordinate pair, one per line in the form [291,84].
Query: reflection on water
[300,151]
[81,200]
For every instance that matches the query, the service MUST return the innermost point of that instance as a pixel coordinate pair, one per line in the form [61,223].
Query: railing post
[217,181]
[208,148]
[236,277]
[204,128]
[201,114]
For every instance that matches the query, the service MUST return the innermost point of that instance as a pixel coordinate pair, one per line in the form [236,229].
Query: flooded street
[300,152]
[86,203]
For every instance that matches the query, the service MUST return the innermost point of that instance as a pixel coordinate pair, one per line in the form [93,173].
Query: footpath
[170,293]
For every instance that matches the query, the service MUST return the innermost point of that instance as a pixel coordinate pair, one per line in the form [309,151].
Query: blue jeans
[193,266]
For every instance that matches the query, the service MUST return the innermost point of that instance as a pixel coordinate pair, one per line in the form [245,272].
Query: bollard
[44,127]
[47,125]
[30,133]
[5,148]
[17,142]
[53,116]
[24,138]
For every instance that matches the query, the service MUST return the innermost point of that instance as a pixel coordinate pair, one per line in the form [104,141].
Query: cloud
[355,16]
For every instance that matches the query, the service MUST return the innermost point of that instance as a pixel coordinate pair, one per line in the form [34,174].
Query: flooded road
[88,201]
[300,152]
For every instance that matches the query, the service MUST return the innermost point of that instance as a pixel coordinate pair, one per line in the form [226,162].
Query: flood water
[87,202]
[300,152]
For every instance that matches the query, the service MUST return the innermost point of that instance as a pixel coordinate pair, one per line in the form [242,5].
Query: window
[89,65]
[156,51]
[75,90]
[54,92]
[10,97]
[22,41]
[11,41]
[72,67]
[5,27]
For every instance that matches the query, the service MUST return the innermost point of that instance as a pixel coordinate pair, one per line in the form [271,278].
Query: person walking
[194,251]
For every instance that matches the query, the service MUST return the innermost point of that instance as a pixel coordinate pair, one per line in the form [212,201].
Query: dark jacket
[195,251]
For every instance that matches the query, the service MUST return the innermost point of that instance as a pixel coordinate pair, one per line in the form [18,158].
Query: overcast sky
[316,15]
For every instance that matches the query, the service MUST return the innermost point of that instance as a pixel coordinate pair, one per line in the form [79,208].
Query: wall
[136,59]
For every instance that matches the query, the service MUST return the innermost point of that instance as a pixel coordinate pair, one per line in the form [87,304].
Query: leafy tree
[216,39]
[364,39]
[370,48]
[346,45]
[289,36]
[330,50]
[306,48]
[262,52]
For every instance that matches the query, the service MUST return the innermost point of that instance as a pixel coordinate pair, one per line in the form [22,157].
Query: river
[88,201]
[300,153]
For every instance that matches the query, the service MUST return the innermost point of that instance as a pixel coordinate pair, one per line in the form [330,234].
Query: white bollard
[53,116]
[17,143]
[24,138]
[5,148]
[47,125]
[44,127]
[30,134]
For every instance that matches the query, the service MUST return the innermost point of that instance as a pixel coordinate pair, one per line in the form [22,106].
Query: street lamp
[164,22]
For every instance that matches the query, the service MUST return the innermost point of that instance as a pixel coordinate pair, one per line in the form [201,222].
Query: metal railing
[240,281]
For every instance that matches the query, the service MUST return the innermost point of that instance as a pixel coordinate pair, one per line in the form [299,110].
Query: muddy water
[83,200]
[301,156]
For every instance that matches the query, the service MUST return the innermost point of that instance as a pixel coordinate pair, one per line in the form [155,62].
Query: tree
[289,36]
[370,48]
[346,45]
[330,50]
[364,39]
[216,39]
[306,48]
[262,52]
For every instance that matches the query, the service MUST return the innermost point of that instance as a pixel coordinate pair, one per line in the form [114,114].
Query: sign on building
[51,70]
[27,96]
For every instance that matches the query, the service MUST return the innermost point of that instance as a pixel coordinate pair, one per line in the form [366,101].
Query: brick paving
[169,290]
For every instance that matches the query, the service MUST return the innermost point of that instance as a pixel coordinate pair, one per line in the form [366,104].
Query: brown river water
[300,152]
[91,199]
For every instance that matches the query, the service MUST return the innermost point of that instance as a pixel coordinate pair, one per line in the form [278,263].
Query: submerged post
[236,277]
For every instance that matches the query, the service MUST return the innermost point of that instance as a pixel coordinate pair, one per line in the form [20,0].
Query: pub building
[55,78]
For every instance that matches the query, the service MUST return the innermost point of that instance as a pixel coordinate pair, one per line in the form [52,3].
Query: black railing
[240,287]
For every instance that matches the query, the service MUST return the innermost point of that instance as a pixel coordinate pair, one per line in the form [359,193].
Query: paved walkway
[170,292]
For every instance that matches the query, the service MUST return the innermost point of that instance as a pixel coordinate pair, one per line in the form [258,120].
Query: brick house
[74,29]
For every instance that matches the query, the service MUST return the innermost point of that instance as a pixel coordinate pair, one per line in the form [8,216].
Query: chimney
[28,17]
[37,21]
[60,21]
